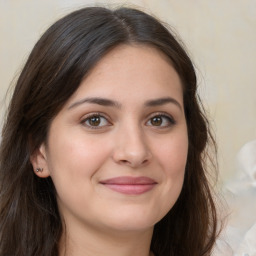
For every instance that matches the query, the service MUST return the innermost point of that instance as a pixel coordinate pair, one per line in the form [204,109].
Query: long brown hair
[29,219]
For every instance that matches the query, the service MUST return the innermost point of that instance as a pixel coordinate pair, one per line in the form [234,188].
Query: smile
[130,185]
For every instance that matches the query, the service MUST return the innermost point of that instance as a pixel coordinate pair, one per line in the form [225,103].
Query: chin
[133,220]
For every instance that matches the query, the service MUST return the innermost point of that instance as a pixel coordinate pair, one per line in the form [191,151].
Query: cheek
[74,159]
[76,150]
[172,157]
[73,162]
[172,154]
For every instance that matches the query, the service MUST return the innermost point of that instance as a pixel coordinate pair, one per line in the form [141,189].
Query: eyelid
[92,114]
[162,114]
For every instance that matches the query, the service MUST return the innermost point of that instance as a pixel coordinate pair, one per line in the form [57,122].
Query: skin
[128,138]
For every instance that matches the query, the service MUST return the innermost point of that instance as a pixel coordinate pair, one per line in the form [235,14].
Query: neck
[81,241]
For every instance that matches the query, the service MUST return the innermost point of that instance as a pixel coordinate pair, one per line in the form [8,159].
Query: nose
[131,148]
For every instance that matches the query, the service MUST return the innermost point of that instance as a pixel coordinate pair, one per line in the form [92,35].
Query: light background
[220,36]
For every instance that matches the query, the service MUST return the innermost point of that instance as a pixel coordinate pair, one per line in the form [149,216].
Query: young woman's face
[117,150]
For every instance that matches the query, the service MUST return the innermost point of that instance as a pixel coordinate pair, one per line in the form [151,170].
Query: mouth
[130,185]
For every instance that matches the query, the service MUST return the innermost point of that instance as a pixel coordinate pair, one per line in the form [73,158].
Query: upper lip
[129,180]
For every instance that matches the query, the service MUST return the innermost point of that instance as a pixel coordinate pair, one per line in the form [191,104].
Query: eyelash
[161,115]
[96,115]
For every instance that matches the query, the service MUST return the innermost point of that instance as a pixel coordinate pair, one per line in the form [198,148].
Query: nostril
[134,162]
[132,156]
[145,161]
[124,161]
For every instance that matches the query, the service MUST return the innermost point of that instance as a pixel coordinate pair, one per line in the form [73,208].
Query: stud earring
[39,169]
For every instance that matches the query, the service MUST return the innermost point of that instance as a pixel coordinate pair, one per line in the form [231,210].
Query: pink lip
[130,185]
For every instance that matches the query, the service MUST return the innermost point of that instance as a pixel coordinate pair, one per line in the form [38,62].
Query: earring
[39,169]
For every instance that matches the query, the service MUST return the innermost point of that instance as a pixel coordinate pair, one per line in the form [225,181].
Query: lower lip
[135,189]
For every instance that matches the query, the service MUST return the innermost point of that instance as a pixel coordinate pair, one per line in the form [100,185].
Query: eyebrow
[98,101]
[111,103]
[162,101]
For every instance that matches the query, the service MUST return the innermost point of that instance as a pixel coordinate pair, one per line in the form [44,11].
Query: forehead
[143,56]
[131,70]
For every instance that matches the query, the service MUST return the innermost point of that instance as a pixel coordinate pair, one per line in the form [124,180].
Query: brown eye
[156,121]
[95,121]
[161,121]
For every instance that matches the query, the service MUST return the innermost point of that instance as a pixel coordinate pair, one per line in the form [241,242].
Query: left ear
[39,162]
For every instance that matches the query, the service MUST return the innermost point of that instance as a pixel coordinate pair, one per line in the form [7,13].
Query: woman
[104,144]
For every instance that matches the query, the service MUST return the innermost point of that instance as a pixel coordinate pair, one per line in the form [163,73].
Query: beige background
[220,36]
